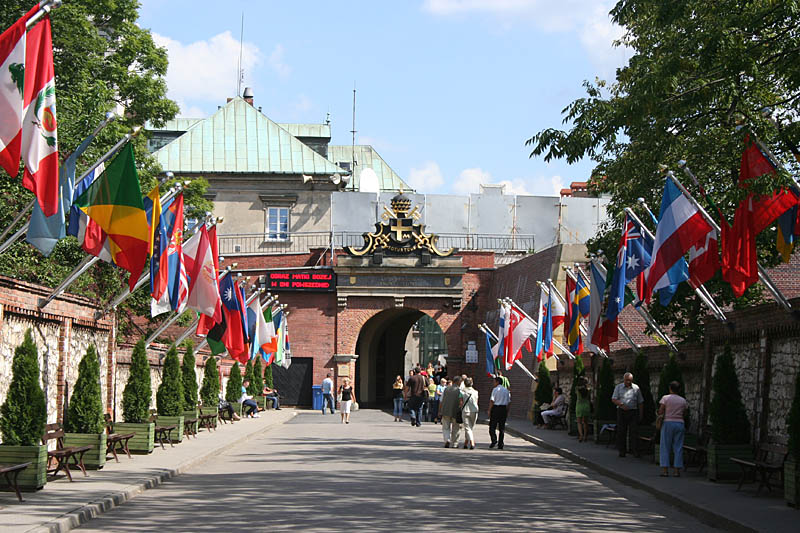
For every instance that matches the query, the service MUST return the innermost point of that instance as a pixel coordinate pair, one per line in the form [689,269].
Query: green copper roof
[176,124]
[238,138]
[308,130]
[367,157]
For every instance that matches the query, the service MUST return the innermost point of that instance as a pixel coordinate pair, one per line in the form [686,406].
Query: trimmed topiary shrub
[137,393]
[24,413]
[605,389]
[249,374]
[544,388]
[641,376]
[233,390]
[729,424]
[671,372]
[268,377]
[258,376]
[793,421]
[189,378]
[209,391]
[169,398]
[85,412]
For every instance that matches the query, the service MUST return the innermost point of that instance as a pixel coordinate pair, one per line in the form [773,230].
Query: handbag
[339,395]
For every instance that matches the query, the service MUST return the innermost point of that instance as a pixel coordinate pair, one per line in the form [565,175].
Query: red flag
[704,260]
[207,322]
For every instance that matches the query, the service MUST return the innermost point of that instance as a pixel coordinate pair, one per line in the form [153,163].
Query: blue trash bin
[316,397]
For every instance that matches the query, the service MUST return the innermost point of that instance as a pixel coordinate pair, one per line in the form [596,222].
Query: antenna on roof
[239,70]
[353,131]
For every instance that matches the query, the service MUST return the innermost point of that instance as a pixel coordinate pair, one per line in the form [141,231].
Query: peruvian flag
[12,85]
[703,260]
[39,136]
[199,261]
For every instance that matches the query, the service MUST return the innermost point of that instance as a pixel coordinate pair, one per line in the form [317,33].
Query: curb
[83,514]
[701,513]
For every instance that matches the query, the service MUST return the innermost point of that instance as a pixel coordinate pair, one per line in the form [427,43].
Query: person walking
[498,412]
[346,398]
[583,408]
[439,391]
[672,407]
[327,394]
[630,407]
[450,407]
[417,390]
[432,401]
[469,412]
[397,398]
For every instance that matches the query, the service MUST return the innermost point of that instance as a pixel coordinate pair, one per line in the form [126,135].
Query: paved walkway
[315,473]
[719,504]
[62,505]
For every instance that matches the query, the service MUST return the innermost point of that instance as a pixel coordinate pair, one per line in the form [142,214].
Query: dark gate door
[294,383]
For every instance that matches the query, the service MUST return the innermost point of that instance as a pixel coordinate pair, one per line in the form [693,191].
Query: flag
[490,355]
[229,334]
[277,320]
[206,322]
[595,336]
[703,260]
[79,223]
[502,332]
[169,286]
[39,132]
[260,335]
[519,329]
[577,297]
[12,85]
[114,203]
[680,227]
[203,289]
[272,337]
[788,231]
[287,349]
[551,315]
[44,232]
[632,259]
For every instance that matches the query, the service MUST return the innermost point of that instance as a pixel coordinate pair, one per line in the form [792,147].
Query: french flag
[680,227]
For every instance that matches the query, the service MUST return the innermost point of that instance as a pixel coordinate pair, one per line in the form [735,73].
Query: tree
[696,68]
[233,390]
[137,393]
[729,424]
[605,389]
[189,378]
[544,388]
[85,413]
[578,371]
[169,398]
[249,375]
[258,377]
[641,376]
[793,421]
[268,377]
[24,413]
[670,372]
[209,390]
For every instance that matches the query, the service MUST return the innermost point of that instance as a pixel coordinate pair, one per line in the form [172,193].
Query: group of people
[453,402]
[249,406]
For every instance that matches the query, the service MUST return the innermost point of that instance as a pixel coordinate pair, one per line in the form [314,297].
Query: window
[277,224]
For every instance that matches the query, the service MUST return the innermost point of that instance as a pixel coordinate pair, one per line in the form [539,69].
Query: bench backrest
[53,431]
[771,453]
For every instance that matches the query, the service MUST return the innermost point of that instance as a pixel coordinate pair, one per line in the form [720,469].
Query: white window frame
[272,215]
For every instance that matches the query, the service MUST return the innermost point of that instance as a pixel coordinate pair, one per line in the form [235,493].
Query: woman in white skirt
[346,398]
[469,399]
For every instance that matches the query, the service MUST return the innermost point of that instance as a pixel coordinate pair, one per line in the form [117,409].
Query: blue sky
[447,90]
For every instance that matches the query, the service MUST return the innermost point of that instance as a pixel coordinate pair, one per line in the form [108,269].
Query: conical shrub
[209,390]
[233,390]
[793,421]
[85,412]
[189,378]
[729,424]
[641,376]
[24,413]
[258,377]
[605,389]
[268,377]
[669,373]
[544,387]
[169,398]
[137,394]
[249,375]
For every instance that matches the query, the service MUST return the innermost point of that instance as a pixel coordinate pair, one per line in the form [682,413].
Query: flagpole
[258,291]
[485,329]
[144,278]
[715,310]
[45,6]
[171,320]
[86,263]
[762,274]
[549,288]
[109,118]
[583,329]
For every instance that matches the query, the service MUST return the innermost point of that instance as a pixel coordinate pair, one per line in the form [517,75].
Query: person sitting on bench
[248,401]
[225,406]
[272,394]
[557,408]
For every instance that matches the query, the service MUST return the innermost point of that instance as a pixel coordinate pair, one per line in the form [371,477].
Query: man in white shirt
[327,394]
[498,413]
[557,409]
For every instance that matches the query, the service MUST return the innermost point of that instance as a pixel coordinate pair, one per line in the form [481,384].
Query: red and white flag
[199,260]
[39,135]
[703,260]
[520,330]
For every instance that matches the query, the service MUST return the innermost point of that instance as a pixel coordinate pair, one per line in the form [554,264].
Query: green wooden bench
[62,454]
[9,470]
[768,460]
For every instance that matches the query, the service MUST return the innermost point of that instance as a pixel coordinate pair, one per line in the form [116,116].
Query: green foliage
[696,67]
[258,376]
[544,387]
[670,372]
[189,378]
[24,413]
[249,375]
[641,376]
[85,413]
[169,398]
[578,371]
[137,393]
[793,421]
[605,389]
[729,424]
[209,390]
[233,390]
[268,377]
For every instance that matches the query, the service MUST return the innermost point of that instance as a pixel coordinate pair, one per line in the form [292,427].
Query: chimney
[248,95]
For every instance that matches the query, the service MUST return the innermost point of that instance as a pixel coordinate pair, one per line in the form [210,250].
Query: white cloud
[190,111]
[426,179]
[206,70]
[470,180]
[277,63]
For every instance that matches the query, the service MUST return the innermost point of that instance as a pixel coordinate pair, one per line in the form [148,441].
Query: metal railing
[301,242]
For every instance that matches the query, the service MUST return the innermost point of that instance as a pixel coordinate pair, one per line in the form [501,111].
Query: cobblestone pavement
[379,475]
